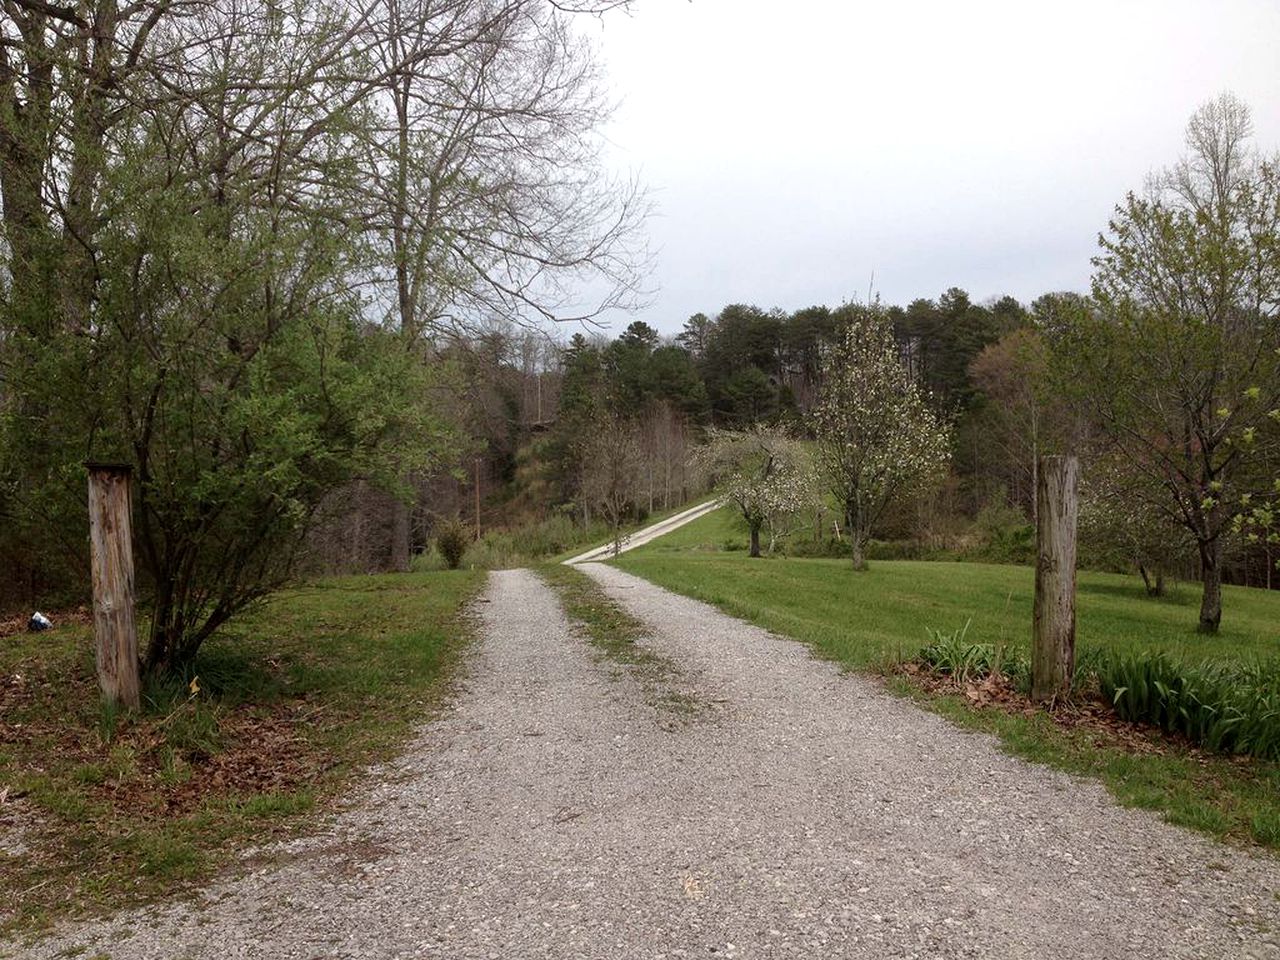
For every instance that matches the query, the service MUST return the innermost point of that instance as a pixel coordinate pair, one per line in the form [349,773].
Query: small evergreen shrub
[452,540]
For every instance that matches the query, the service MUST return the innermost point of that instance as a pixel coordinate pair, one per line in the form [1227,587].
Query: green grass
[864,618]
[294,700]
[872,619]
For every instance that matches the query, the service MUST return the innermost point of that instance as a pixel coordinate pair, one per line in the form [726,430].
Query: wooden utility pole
[111,562]
[1053,642]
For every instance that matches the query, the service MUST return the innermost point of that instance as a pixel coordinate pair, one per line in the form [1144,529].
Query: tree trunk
[1154,588]
[1146,579]
[1211,575]
[858,541]
[755,539]
[400,517]
[1053,648]
[1035,484]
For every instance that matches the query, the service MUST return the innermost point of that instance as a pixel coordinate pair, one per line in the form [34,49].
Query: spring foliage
[1175,362]
[878,440]
[765,473]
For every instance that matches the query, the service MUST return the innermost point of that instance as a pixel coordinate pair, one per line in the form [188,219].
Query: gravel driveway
[803,814]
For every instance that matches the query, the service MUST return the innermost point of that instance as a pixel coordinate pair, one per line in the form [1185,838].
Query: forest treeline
[1001,373]
[928,421]
[300,268]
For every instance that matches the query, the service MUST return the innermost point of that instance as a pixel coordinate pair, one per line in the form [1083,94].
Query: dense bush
[1230,708]
[1007,537]
[452,540]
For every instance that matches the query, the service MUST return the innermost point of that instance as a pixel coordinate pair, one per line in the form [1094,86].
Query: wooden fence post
[111,561]
[1053,643]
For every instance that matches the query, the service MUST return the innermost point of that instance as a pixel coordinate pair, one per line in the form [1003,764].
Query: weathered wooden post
[1053,642]
[111,561]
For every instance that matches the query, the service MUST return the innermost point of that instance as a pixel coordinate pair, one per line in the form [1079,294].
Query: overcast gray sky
[794,148]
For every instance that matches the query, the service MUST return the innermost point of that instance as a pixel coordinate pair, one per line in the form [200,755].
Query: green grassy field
[864,618]
[293,701]
[871,620]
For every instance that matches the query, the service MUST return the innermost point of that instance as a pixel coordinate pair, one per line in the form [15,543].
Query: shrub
[452,540]
[1229,708]
[1007,537]
[826,549]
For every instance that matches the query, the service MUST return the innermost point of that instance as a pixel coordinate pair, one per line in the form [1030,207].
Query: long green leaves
[1228,708]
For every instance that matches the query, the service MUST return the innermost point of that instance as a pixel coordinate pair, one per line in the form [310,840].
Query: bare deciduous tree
[612,467]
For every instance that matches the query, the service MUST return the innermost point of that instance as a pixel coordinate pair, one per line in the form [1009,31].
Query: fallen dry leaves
[1083,714]
[259,749]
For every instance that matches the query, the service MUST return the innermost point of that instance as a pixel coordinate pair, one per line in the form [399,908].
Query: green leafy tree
[241,382]
[1176,362]
[878,439]
[1020,413]
[746,397]
[694,335]
[940,341]
[675,380]
[628,371]
[1120,527]
[741,364]
[1257,525]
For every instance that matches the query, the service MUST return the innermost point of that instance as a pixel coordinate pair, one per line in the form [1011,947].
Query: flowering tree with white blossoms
[766,474]
[878,440]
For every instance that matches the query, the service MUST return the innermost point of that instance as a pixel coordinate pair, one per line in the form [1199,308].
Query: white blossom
[878,439]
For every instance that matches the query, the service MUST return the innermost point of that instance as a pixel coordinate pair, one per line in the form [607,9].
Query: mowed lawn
[874,619]
[864,619]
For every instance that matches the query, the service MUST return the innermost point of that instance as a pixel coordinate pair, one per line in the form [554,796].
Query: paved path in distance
[651,532]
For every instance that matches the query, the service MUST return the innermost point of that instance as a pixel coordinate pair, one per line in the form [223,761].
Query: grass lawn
[870,620]
[293,701]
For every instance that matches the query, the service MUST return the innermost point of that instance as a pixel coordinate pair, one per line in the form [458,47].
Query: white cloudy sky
[794,148]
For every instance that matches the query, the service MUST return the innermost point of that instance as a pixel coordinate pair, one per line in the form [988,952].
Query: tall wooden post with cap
[111,562]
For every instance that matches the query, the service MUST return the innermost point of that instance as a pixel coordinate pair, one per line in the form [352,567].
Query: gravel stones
[549,814]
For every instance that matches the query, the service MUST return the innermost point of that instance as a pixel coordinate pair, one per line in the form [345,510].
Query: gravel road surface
[803,813]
